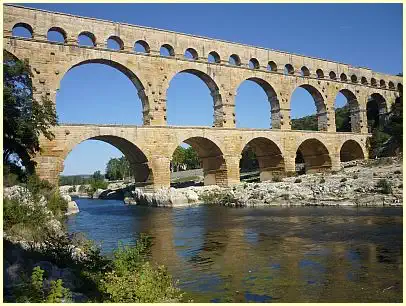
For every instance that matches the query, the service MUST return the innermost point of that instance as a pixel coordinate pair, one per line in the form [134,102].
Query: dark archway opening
[376,112]
[351,150]
[347,112]
[314,155]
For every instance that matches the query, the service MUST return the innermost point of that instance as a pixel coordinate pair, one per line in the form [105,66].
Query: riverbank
[359,183]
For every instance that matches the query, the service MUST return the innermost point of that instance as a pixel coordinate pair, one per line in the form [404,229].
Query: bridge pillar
[161,172]
[269,166]
[233,169]
[290,164]
[48,168]
[224,109]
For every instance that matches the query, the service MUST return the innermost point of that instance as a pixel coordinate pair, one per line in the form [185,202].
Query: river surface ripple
[267,254]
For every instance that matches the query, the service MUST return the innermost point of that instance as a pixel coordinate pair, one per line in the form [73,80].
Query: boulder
[72,208]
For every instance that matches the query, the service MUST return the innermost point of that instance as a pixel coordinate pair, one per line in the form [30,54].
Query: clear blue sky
[359,34]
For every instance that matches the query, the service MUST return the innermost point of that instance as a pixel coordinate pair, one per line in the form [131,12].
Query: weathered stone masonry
[149,148]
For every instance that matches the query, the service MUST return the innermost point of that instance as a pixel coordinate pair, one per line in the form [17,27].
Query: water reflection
[223,254]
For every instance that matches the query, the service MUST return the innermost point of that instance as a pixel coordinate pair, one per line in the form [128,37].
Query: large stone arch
[272,98]
[269,156]
[218,116]
[315,154]
[376,108]
[134,78]
[212,158]
[321,109]
[354,109]
[139,163]
[351,150]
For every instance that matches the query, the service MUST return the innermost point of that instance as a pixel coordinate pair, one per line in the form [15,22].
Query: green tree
[24,118]
[118,168]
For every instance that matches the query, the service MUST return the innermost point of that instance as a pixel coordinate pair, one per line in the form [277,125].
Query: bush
[397,172]
[277,178]
[72,189]
[82,188]
[323,180]
[34,291]
[57,204]
[344,179]
[298,180]
[385,186]
[355,176]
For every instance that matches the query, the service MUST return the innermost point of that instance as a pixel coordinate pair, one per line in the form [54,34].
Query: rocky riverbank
[359,183]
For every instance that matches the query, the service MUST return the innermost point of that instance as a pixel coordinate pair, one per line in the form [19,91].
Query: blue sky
[359,34]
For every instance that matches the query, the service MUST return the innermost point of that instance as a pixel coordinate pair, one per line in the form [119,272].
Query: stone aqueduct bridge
[149,148]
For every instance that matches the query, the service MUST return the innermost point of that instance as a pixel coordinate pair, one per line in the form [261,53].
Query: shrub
[34,291]
[298,180]
[355,176]
[344,179]
[57,204]
[277,178]
[323,180]
[82,188]
[397,172]
[72,189]
[385,186]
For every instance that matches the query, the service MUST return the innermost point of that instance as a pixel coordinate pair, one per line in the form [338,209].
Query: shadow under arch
[269,157]
[211,158]
[128,73]
[354,111]
[351,150]
[214,92]
[321,111]
[139,164]
[272,98]
[376,111]
[315,155]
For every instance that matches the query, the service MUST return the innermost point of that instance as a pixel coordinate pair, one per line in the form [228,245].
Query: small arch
[115,43]
[87,39]
[264,155]
[315,155]
[253,63]
[391,85]
[234,60]
[305,71]
[373,82]
[382,83]
[348,117]
[214,57]
[289,69]
[332,75]
[320,73]
[191,54]
[211,158]
[272,66]
[364,81]
[141,46]
[351,150]
[167,50]
[343,77]
[354,78]
[56,34]
[22,29]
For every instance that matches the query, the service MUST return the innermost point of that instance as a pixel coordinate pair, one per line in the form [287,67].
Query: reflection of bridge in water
[149,148]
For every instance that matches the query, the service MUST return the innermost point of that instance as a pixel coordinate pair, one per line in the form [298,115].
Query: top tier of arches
[154,42]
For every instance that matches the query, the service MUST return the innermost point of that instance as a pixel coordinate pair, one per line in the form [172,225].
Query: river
[267,254]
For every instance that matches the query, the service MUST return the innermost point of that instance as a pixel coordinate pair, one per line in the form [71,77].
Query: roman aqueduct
[222,66]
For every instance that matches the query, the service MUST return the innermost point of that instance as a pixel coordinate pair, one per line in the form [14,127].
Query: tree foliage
[185,157]
[118,169]
[24,118]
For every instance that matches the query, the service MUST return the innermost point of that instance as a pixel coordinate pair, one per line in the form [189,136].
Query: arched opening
[213,57]
[373,82]
[347,112]
[193,100]
[364,81]
[210,158]
[382,83]
[234,60]
[257,105]
[343,77]
[87,39]
[115,43]
[101,92]
[56,34]
[351,150]
[116,158]
[332,75]
[22,30]
[191,54]
[391,85]
[308,110]
[253,63]
[166,50]
[141,46]
[320,73]
[354,78]
[272,66]
[186,167]
[289,69]
[305,71]
[314,155]
[264,156]
[376,111]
